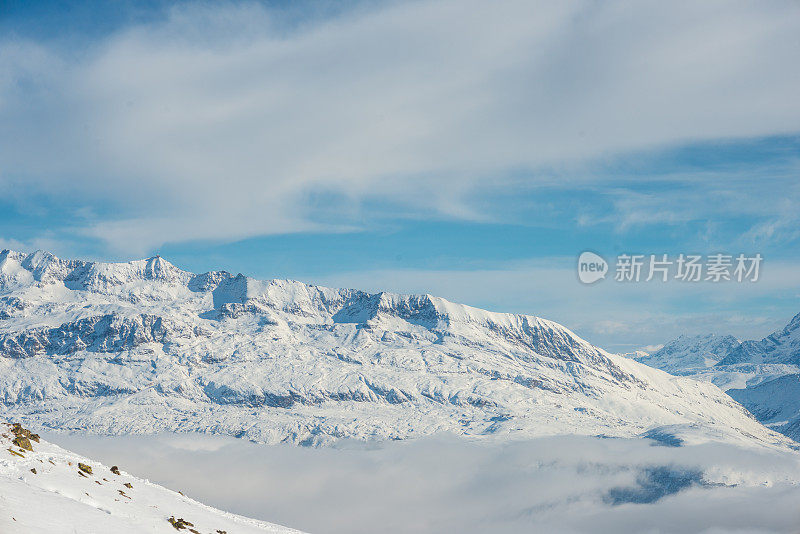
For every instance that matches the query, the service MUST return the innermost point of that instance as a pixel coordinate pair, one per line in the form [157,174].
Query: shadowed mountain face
[143,346]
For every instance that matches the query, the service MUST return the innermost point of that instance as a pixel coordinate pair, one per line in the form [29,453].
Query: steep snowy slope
[48,490]
[144,346]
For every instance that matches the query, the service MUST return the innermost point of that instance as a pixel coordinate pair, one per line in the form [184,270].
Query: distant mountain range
[143,347]
[764,376]
[690,352]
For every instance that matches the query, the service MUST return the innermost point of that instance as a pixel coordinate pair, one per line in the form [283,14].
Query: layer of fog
[444,484]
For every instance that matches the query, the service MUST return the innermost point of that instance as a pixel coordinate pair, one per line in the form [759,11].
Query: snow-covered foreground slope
[142,347]
[52,491]
[761,375]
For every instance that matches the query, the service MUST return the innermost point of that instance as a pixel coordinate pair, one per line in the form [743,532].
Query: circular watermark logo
[591,267]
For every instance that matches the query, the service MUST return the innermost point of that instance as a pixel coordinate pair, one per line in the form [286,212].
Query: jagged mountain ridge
[761,375]
[781,347]
[144,346]
[690,352]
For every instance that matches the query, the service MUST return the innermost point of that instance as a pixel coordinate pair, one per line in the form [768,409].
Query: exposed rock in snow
[143,346]
[48,490]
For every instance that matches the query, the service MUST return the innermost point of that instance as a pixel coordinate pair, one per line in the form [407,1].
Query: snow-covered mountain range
[45,489]
[690,352]
[143,346]
[764,376]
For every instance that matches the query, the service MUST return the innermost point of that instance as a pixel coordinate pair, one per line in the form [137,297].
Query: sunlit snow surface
[143,347]
[452,484]
[58,499]
[502,414]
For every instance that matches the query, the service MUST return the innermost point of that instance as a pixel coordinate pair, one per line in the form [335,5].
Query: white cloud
[219,123]
[446,484]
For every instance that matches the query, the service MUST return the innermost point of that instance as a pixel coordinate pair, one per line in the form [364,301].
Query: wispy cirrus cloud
[218,121]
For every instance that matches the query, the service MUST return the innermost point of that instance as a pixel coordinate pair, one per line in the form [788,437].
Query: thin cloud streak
[220,123]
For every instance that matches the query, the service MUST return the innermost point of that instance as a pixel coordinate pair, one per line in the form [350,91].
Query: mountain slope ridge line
[144,346]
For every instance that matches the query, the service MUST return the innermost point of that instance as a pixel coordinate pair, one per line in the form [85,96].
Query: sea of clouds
[447,484]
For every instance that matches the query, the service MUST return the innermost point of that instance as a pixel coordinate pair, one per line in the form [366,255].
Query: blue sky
[413,147]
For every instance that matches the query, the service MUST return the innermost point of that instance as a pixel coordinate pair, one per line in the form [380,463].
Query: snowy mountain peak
[46,268]
[780,347]
[240,293]
[789,334]
[145,346]
[691,352]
